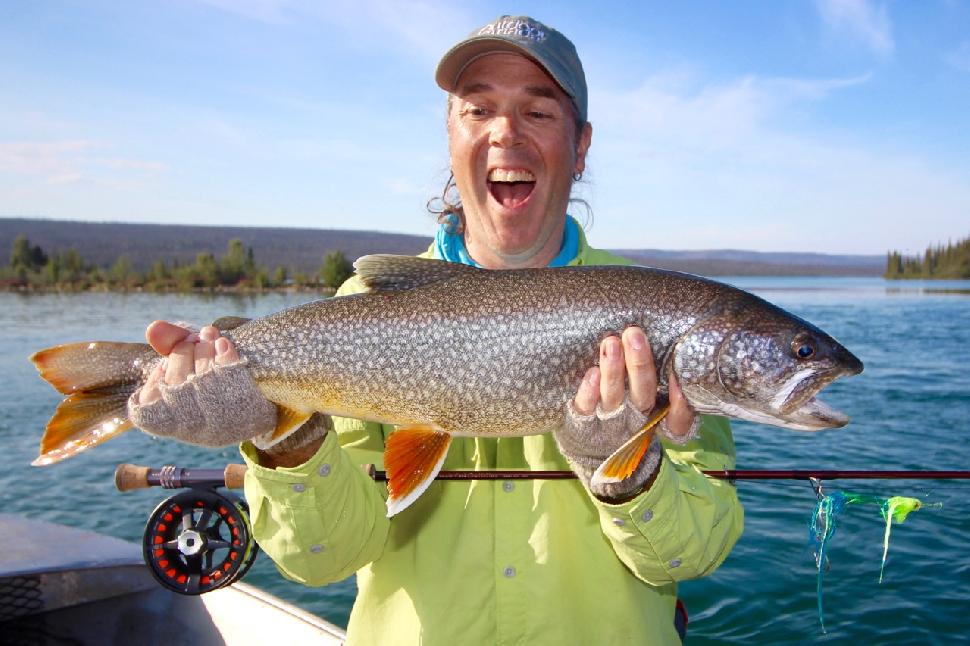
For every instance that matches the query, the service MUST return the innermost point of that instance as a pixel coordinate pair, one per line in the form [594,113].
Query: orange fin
[97,377]
[287,421]
[95,365]
[412,457]
[626,459]
[81,421]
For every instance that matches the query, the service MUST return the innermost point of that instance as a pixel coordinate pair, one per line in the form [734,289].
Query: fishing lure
[824,522]
[896,509]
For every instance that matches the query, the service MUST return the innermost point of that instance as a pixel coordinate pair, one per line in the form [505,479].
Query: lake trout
[443,349]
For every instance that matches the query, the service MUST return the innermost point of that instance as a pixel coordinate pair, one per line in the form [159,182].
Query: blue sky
[839,126]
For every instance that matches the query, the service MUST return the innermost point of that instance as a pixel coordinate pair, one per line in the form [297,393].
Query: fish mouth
[814,415]
[511,187]
[799,408]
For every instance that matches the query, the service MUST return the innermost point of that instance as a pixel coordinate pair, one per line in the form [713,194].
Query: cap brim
[454,62]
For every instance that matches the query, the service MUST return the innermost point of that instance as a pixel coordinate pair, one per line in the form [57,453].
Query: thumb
[680,419]
[163,336]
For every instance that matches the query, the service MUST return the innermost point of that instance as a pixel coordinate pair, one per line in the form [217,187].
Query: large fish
[442,350]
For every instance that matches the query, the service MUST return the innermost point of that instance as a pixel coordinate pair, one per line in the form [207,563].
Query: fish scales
[487,353]
[441,349]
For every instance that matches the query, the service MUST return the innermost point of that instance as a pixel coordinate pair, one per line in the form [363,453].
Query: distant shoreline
[104,289]
[302,250]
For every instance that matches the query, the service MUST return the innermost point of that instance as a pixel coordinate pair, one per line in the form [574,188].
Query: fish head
[764,365]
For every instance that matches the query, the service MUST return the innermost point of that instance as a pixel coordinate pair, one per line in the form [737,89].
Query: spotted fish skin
[493,353]
[443,349]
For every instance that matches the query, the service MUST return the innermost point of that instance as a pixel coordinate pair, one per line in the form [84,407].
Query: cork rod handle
[129,477]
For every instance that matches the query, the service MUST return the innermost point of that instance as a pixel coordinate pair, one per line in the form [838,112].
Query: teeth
[503,175]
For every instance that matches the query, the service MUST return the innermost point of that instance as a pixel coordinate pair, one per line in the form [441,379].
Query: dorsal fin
[226,323]
[391,273]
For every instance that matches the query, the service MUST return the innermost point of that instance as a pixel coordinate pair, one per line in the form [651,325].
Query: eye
[804,348]
[471,110]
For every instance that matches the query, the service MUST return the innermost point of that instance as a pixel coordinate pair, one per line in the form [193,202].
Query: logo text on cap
[519,28]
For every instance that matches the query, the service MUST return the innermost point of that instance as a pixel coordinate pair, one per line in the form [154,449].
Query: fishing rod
[201,539]
[130,476]
[828,474]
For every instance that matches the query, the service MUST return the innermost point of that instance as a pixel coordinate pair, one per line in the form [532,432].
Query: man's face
[514,149]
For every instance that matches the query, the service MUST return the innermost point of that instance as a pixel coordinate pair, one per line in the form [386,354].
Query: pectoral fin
[626,459]
[287,421]
[412,458]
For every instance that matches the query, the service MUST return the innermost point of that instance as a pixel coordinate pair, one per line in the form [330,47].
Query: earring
[577,177]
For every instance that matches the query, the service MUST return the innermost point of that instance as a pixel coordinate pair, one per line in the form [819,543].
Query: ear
[582,147]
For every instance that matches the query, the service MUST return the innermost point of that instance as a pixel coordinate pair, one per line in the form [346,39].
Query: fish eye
[804,348]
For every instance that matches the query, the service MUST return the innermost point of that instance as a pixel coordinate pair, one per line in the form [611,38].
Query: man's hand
[629,360]
[613,403]
[219,406]
[187,353]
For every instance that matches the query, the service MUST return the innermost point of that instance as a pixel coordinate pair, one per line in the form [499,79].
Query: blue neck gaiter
[451,246]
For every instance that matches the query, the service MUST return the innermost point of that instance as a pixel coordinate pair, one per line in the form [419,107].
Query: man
[483,561]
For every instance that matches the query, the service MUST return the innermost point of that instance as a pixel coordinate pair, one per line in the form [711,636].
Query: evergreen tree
[942,261]
[336,269]
[122,274]
[205,272]
[25,257]
[233,265]
[280,276]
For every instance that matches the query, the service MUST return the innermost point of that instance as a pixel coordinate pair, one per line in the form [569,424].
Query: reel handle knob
[129,477]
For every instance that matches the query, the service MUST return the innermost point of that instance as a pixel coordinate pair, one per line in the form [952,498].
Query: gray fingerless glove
[680,440]
[216,408]
[587,440]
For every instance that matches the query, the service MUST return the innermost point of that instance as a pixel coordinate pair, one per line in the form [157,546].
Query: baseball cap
[520,35]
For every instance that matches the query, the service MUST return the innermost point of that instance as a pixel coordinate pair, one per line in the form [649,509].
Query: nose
[505,132]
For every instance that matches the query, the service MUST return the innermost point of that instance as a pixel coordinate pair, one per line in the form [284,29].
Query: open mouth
[510,188]
[801,408]
[796,400]
[814,414]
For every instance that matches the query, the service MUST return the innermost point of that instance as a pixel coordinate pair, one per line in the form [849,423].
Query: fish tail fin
[412,457]
[98,378]
[627,458]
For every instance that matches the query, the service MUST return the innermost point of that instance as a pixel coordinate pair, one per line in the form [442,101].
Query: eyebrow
[544,91]
[541,91]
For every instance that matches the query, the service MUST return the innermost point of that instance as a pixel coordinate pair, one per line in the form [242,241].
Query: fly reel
[199,540]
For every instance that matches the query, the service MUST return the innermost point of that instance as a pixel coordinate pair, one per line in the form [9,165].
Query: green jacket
[490,562]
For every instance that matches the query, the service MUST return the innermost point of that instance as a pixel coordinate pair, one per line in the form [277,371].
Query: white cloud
[681,110]
[860,19]
[682,164]
[64,178]
[43,157]
[71,161]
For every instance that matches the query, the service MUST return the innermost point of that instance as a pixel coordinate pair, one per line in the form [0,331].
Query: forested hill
[734,262]
[302,250]
[101,243]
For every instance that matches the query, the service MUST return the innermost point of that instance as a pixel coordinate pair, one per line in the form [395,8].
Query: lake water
[910,410]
